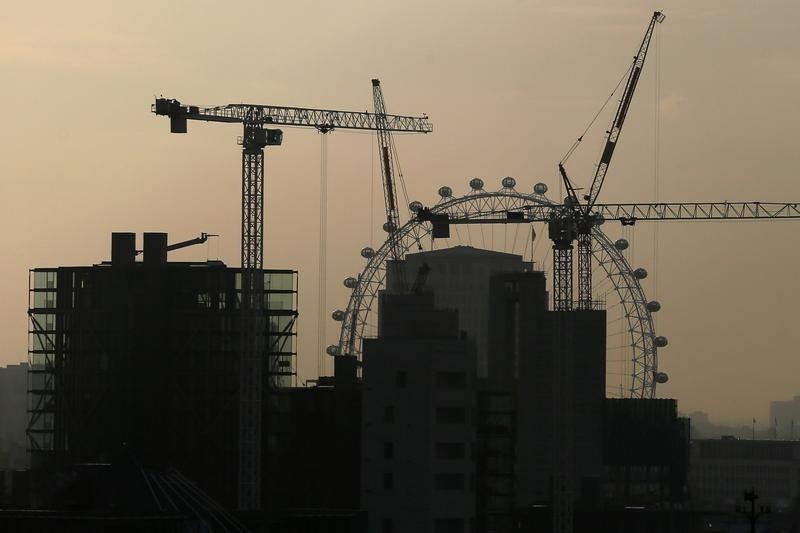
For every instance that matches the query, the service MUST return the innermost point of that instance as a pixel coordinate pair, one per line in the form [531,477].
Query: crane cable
[656,153]
[594,119]
[323,252]
[372,192]
[399,178]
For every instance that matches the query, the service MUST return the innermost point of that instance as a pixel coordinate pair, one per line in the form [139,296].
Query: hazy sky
[508,85]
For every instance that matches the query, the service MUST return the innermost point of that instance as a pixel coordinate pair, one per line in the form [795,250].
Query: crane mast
[256,119]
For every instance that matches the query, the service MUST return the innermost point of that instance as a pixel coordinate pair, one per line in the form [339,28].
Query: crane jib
[623,110]
[387,169]
[621,114]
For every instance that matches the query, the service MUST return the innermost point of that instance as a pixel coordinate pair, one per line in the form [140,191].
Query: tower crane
[390,172]
[576,219]
[256,120]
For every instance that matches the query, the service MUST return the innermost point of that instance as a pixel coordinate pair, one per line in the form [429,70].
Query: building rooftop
[464,251]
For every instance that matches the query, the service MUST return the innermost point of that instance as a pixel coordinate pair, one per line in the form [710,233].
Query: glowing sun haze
[508,86]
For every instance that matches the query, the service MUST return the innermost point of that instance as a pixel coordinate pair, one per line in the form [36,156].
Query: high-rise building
[460,278]
[554,363]
[418,432]
[144,356]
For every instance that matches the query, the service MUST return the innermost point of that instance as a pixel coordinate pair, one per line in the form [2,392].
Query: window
[449,481]
[451,380]
[388,450]
[450,415]
[448,525]
[388,414]
[510,287]
[450,450]
[388,480]
[401,379]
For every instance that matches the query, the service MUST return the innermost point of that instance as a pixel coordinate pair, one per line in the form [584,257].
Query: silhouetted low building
[312,474]
[784,415]
[645,453]
[13,416]
[722,469]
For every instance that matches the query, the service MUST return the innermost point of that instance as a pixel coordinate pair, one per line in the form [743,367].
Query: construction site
[479,381]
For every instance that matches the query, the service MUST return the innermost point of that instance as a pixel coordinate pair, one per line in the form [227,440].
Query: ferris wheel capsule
[350,282]
[367,253]
[388,227]
[338,315]
[661,377]
[415,206]
[599,219]
[640,273]
[660,341]
[653,306]
[445,191]
[540,188]
[508,182]
[332,350]
[621,244]
[476,184]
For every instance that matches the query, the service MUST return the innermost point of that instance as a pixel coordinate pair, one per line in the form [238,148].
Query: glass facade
[280,303]
[42,351]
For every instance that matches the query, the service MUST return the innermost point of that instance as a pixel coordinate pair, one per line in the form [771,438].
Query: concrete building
[418,432]
[143,357]
[722,469]
[645,453]
[313,464]
[784,415]
[13,416]
[460,278]
[541,402]
[530,347]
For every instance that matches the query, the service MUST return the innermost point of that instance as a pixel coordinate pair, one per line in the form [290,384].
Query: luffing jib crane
[257,120]
[576,220]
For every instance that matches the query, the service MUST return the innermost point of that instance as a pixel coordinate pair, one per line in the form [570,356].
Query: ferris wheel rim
[618,270]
